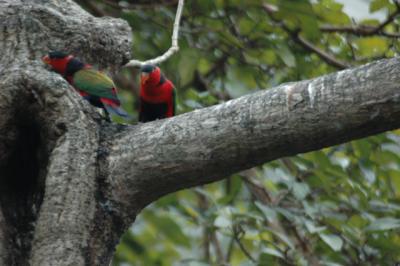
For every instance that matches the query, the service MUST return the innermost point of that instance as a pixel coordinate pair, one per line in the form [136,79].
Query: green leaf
[269,213]
[312,228]
[372,46]
[331,12]
[272,252]
[235,184]
[187,65]
[167,226]
[286,55]
[222,222]
[300,12]
[197,263]
[383,224]
[333,241]
[284,238]
[376,5]
[300,190]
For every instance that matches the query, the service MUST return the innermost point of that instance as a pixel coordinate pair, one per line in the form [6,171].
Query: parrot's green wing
[95,83]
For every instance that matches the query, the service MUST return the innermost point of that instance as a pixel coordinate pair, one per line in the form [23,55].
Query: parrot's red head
[58,61]
[150,75]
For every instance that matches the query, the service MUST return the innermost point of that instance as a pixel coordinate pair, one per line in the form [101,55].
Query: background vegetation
[337,206]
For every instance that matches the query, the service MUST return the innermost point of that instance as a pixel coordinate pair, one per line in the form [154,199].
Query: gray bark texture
[72,183]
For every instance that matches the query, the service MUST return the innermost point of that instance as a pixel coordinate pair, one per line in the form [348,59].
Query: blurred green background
[336,206]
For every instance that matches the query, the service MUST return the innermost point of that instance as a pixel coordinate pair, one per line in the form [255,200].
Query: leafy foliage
[336,206]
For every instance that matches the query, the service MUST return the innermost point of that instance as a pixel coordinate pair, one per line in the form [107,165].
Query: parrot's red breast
[157,95]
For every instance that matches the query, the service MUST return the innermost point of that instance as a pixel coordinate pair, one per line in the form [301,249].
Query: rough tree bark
[71,183]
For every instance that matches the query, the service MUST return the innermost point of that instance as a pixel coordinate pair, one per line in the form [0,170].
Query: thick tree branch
[150,160]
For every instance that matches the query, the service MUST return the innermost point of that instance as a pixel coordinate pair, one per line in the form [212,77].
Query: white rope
[174,46]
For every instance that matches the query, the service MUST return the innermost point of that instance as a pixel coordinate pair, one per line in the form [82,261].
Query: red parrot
[157,95]
[91,84]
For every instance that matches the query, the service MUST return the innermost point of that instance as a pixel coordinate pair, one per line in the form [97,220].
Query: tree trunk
[71,183]
[52,192]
